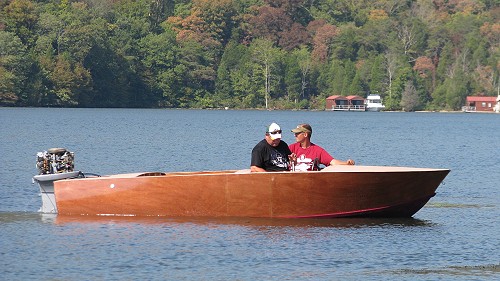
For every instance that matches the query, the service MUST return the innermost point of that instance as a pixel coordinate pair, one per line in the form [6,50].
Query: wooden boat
[336,191]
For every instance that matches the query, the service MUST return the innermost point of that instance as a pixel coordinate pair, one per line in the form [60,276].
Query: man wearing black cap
[271,154]
[307,154]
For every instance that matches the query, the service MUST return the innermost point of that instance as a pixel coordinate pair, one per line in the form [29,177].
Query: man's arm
[256,169]
[340,162]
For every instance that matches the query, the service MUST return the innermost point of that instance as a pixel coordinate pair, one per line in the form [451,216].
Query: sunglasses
[296,134]
[275,132]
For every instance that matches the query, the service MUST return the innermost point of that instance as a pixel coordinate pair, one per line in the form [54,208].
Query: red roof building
[341,103]
[357,103]
[337,102]
[479,103]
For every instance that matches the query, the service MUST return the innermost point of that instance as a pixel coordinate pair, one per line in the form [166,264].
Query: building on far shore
[480,104]
[349,103]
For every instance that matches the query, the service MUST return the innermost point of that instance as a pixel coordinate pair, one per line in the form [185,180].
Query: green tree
[230,64]
[412,36]
[159,56]
[14,67]
[398,86]
[124,54]
[339,74]
[305,64]
[196,71]
[349,74]
[293,78]
[439,96]
[322,75]
[357,87]
[20,18]
[69,80]
[68,34]
[265,58]
[160,10]
[458,89]
[377,79]
[373,34]
[346,44]
[446,58]
[130,23]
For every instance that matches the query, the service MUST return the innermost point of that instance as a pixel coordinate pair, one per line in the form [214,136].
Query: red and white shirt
[306,156]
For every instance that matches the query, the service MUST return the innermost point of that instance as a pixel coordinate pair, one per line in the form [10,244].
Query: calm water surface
[454,237]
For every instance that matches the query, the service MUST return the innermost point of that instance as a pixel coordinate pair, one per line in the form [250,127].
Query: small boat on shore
[496,108]
[336,191]
[373,103]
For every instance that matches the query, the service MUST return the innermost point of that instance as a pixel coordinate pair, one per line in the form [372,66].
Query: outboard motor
[55,161]
[53,164]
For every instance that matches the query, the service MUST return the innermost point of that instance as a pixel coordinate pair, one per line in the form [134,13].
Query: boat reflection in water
[236,221]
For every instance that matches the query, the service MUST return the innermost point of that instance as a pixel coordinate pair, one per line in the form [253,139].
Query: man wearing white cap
[271,154]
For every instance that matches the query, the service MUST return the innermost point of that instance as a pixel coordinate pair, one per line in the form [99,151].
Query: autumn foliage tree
[425,68]
[323,34]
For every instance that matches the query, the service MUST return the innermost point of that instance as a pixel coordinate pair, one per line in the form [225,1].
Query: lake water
[454,237]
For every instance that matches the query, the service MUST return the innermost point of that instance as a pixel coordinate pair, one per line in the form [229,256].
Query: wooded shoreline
[282,54]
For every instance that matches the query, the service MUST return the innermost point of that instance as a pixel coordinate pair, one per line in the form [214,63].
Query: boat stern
[52,165]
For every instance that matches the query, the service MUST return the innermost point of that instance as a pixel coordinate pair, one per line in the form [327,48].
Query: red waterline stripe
[359,212]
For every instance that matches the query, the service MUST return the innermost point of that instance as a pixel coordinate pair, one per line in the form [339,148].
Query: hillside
[286,54]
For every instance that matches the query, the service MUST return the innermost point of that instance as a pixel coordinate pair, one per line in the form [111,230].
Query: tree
[425,68]
[322,77]
[14,67]
[230,63]
[68,34]
[294,37]
[210,53]
[292,78]
[21,19]
[265,58]
[457,87]
[331,79]
[194,72]
[407,37]
[346,45]
[160,10]
[323,35]
[207,20]
[270,23]
[410,100]
[377,77]
[159,55]
[305,64]
[349,74]
[391,66]
[372,36]
[69,80]
[356,87]
[401,77]
[296,9]
[130,22]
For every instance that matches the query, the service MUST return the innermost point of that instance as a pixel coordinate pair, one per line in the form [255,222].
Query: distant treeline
[284,54]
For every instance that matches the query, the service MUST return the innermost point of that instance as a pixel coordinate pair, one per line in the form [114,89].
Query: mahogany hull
[340,191]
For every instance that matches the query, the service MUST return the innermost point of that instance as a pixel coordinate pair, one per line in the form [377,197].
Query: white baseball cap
[274,131]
